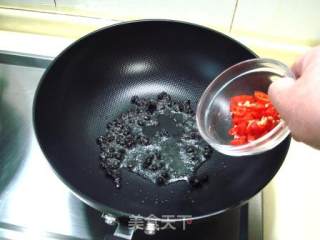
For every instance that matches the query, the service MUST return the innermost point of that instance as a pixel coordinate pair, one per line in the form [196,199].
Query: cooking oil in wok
[158,140]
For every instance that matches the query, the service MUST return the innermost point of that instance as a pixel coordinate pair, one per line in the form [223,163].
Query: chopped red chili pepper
[252,117]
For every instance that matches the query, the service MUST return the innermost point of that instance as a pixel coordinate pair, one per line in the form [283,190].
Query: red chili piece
[252,117]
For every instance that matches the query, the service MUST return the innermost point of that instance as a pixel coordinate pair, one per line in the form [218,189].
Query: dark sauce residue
[156,139]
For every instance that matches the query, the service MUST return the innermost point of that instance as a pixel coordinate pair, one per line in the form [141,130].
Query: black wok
[92,81]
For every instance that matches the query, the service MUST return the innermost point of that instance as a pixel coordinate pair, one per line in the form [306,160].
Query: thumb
[280,93]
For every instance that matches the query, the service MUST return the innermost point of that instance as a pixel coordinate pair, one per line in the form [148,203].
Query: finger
[280,93]
[302,63]
[298,66]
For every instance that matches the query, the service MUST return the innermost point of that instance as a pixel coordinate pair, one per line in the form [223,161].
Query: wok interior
[92,82]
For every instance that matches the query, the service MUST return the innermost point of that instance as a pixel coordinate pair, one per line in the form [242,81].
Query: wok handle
[123,232]
[112,238]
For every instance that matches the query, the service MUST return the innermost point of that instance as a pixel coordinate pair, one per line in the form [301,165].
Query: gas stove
[34,204]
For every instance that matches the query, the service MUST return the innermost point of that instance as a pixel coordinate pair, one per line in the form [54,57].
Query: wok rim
[77,192]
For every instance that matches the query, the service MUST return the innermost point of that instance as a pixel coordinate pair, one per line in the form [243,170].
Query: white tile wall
[215,13]
[291,20]
[28,4]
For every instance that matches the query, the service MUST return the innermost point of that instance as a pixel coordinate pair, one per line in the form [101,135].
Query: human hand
[298,101]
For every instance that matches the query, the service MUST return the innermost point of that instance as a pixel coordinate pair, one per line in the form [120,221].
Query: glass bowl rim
[279,132]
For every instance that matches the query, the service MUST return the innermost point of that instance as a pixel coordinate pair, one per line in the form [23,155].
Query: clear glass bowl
[213,115]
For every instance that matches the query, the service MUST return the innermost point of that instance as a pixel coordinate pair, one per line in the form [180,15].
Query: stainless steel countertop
[34,204]
[32,198]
